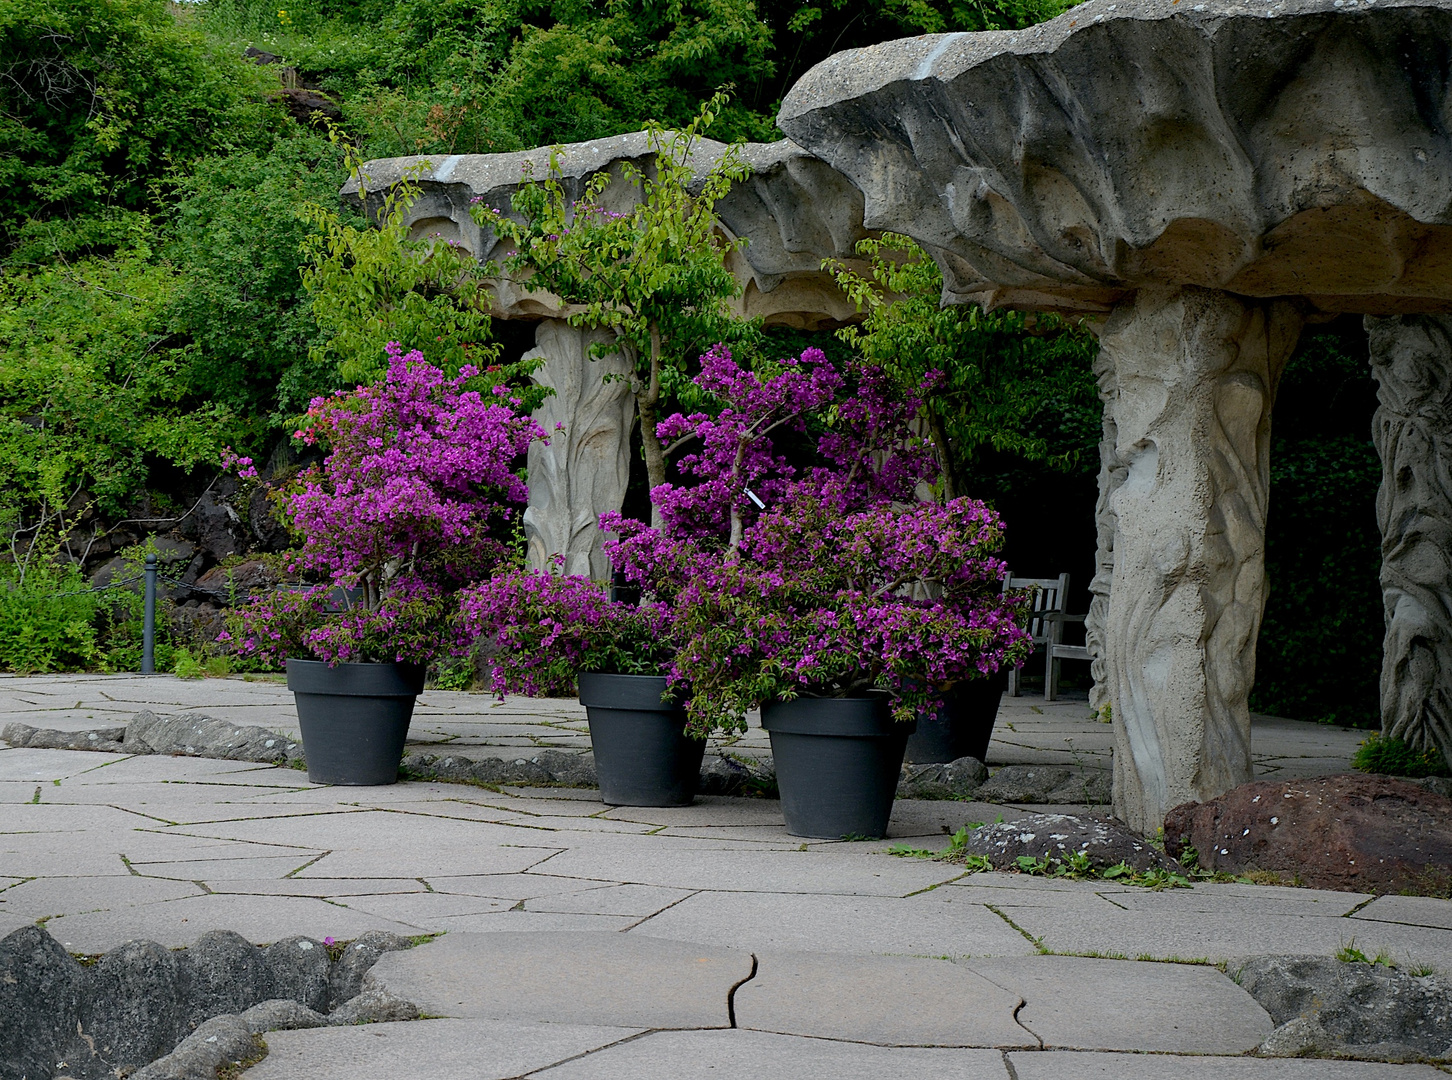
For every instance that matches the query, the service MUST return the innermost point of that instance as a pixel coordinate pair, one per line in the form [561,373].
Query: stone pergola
[1201,180]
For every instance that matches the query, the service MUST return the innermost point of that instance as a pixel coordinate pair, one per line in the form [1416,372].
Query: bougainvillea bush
[769,581]
[820,603]
[416,497]
[538,631]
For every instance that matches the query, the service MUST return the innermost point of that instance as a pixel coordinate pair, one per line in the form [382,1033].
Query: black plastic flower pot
[354,718]
[838,762]
[962,726]
[643,755]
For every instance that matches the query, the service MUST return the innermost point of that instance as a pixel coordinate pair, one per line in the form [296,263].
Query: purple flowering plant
[416,497]
[539,630]
[841,585]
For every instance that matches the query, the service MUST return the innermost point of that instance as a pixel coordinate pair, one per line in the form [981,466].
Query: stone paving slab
[886,1000]
[1087,1004]
[178,923]
[569,978]
[929,924]
[1409,910]
[754,1055]
[1095,927]
[428,1050]
[1086,1066]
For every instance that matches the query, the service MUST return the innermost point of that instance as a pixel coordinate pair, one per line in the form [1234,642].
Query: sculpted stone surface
[1411,357]
[794,211]
[1130,142]
[1196,374]
[1111,474]
[582,471]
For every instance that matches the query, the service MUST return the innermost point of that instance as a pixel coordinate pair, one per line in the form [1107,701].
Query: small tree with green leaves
[372,286]
[988,379]
[654,275]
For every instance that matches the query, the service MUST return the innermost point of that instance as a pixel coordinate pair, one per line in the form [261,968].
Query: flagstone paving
[587,943]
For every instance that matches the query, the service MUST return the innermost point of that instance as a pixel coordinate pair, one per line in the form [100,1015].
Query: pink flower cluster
[844,583]
[415,499]
[419,480]
[539,630]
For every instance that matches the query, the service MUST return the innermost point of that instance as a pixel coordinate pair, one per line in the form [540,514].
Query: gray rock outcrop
[1366,1010]
[160,1014]
[198,735]
[1046,785]
[103,740]
[346,976]
[961,778]
[1411,358]
[1059,836]
[41,989]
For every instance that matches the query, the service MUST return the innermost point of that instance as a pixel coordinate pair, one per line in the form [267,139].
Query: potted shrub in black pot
[413,500]
[553,636]
[814,620]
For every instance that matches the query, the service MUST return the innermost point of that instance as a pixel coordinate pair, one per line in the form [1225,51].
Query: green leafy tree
[371,286]
[236,233]
[995,379]
[94,387]
[98,100]
[654,275]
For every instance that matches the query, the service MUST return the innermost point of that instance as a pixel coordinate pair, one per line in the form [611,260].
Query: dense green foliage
[993,383]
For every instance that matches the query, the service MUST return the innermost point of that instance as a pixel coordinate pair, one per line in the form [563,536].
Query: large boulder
[224,973]
[135,1009]
[1351,832]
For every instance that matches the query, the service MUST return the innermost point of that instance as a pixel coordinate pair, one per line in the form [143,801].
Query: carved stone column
[1196,372]
[584,469]
[1411,357]
[1111,475]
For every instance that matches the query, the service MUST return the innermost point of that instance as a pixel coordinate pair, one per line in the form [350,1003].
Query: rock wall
[1411,358]
[1195,376]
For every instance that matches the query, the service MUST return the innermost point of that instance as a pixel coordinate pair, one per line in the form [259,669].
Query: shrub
[47,620]
[1392,757]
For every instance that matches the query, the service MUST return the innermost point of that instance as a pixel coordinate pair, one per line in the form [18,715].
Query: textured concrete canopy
[1273,149]
[794,210]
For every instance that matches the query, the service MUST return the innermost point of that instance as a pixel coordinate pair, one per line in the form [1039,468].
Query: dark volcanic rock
[41,988]
[947,780]
[135,1009]
[1351,832]
[281,1014]
[302,103]
[225,973]
[1057,836]
[226,584]
[299,967]
[358,957]
[1384,1012]
[197,735]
